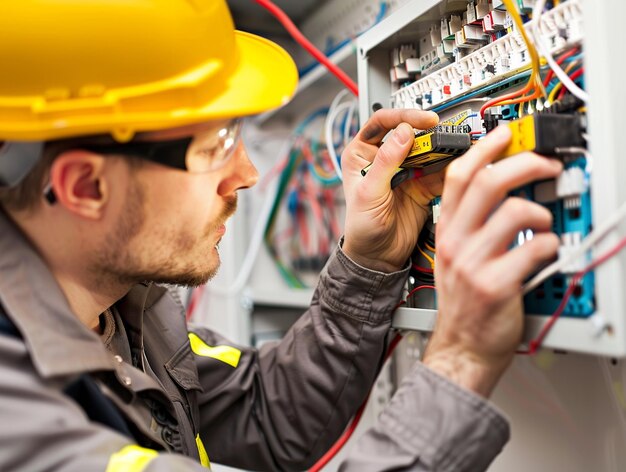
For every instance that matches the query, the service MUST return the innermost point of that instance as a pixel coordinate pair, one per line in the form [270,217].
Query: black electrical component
[567,104]
[545,134]
[490,120]
[433,147]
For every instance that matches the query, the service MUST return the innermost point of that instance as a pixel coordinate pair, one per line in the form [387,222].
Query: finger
[461,171]
[490,186]
[423,189]
[525,259]
[388,158]
[379,124]
[357,156]
[504,226]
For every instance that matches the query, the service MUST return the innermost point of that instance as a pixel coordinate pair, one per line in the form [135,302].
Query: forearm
[292,399]
[431,424]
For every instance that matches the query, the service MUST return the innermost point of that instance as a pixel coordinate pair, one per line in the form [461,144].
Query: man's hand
[382,225]
[479,278]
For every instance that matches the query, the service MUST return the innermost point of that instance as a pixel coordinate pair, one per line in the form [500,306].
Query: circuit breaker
[471,62]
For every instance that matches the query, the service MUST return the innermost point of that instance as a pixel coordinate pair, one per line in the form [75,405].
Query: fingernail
[402,134]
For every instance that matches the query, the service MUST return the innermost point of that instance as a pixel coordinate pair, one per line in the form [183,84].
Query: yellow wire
[428,258]
[553,93]
[558,86]
[571,66]
[430,248]
[535,76]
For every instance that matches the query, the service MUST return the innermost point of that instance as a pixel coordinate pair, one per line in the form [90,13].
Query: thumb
[389,157]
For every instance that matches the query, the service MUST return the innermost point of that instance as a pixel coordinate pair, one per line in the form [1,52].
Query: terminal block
[544,134]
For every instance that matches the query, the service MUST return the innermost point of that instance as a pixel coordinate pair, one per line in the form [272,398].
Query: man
[121,163]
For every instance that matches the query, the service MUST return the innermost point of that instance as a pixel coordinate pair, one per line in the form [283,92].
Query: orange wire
[530,85]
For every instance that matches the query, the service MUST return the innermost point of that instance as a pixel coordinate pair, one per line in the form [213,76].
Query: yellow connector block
[544,134]
[523,136]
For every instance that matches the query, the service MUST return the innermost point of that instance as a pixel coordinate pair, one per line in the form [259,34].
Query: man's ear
[77,178]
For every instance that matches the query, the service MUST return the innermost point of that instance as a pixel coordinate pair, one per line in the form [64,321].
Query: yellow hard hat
[70,68]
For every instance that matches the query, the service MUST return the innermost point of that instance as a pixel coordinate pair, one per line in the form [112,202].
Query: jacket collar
[58,342]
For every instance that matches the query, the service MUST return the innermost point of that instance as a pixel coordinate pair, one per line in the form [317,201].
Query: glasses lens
[214,148]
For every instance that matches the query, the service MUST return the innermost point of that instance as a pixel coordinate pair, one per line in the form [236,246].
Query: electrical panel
[486,63]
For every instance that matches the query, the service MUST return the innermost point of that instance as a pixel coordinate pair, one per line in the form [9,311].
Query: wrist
[378,265]
[467,370]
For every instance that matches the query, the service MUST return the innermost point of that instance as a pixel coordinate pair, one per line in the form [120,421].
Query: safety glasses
[207,151]
[211,150]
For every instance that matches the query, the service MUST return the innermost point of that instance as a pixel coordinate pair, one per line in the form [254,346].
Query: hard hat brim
[265,78]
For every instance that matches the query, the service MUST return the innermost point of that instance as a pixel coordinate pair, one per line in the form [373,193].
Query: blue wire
[481,90]
[309,119]
[300,130]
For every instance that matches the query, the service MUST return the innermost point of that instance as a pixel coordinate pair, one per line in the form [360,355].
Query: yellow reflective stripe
[131,459]
[226,354]
[204,457]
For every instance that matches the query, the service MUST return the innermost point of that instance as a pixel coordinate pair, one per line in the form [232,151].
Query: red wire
[575,75]
[423,269]
[306,44]
[304,230]
[332,452]
[421,287]
[535,344]
[329,196]
[559,61]
[283,235]
[494,101]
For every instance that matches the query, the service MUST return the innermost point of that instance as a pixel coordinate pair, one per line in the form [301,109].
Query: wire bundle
[309,193]
[534,87]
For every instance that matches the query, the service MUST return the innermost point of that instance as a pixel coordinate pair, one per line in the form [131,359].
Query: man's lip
[221,230]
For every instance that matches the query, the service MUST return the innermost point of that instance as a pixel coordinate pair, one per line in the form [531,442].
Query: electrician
[120,162]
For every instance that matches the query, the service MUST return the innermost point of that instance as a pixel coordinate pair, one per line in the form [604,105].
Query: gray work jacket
[178,395]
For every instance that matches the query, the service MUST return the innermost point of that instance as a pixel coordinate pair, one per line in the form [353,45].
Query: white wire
[591,240]
[348,125]
[343,93]
[544,50]
[328,134]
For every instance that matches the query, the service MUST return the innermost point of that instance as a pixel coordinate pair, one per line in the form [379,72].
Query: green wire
[285,177]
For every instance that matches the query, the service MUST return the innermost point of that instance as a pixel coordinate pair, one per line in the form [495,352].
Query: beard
[172,256]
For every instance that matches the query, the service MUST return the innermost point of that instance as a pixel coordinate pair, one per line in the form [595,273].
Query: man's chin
[188,279]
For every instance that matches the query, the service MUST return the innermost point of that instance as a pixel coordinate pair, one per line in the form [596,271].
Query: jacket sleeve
[282,406]
[431,424]
[43,429]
